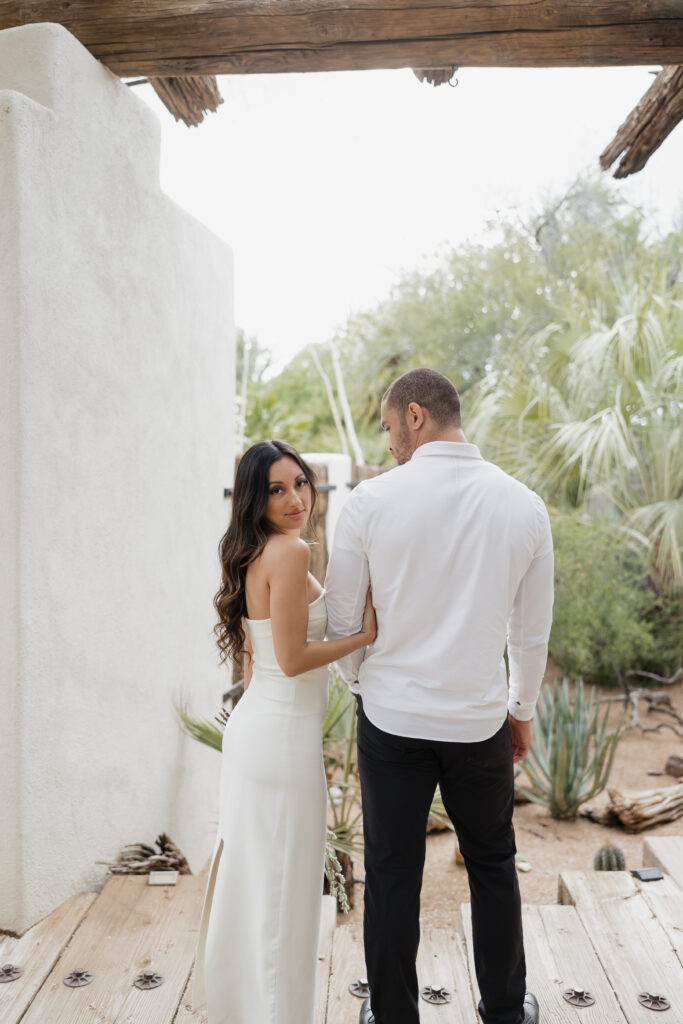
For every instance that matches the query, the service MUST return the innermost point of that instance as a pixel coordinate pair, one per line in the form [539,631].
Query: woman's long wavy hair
[246,537]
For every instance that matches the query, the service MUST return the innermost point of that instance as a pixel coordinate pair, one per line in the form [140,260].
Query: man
[459,555]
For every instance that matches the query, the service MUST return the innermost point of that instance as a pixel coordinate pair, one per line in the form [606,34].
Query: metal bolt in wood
[360,988]
[148,979]
[579,996]
[435,994]
[9,972]
[78,978]
[654,1001]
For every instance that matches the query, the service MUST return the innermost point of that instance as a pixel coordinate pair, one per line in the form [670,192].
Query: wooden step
[441,961]
[559,955]
[639,951]
[186,1015]
[328,920]
[348,964]
[131,927]
[36,952]
[665,853]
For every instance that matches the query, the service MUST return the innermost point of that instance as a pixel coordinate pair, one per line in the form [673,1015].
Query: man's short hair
[427,388]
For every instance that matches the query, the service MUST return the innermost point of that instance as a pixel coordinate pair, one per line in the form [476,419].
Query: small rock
[521,863]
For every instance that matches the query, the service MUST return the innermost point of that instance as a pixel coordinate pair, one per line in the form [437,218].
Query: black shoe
[366,1014]
[531,1015]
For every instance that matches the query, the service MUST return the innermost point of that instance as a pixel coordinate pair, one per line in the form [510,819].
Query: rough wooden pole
[646,127]
[209,37]
[318,524]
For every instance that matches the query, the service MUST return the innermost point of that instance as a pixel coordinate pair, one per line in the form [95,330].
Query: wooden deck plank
[348,963]
[665,900]
[665,853]
[185,1014]
[630,942]
[559,955]
[575,964]
[328,920]
[441,961]
[132,927]
[36,952]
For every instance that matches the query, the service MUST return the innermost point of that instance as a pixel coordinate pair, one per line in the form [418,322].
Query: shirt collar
[459,449]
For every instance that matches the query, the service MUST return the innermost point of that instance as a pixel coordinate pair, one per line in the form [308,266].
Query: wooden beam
[173,38]
[187,98]
[648,124]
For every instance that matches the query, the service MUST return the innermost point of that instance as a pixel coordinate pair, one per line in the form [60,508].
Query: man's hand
[521,738]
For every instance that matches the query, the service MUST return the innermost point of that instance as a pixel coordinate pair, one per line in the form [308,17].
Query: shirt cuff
[523,712]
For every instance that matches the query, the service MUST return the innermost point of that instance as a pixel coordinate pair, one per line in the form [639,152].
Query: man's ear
[415,416]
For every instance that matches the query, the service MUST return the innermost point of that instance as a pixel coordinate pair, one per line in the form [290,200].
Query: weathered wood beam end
[188,99]
[648,124]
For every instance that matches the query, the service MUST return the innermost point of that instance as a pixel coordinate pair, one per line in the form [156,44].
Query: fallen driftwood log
[638,810]
[140,859]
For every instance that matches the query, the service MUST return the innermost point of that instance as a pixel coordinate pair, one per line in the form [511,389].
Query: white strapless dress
[258,936]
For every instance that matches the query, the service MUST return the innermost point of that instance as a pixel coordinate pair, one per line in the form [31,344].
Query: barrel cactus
[609,858]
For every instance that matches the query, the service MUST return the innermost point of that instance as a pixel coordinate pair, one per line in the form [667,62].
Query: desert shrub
[665,622]
[572,751]
[602,620]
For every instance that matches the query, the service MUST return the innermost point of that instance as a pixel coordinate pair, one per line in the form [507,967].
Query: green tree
[590,412]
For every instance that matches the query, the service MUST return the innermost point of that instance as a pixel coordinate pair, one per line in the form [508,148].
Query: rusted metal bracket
[654,1001]
[435,994]
[79,977]
[9,972]
[148,979]
[579,996]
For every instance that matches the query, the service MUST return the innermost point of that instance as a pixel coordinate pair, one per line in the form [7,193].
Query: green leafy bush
[665,622]
[602,619]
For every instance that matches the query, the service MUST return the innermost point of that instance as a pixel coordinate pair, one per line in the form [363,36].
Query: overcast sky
[326,186]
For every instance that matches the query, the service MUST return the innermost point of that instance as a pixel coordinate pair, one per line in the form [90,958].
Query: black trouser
[398,778]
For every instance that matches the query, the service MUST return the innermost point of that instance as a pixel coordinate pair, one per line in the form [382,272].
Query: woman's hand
[369,628]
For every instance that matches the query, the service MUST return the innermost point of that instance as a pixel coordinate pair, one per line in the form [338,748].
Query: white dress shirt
[460,559]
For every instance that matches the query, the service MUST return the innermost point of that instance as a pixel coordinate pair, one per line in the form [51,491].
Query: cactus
[609,858]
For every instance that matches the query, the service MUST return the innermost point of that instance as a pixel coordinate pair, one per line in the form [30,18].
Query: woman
[257,947]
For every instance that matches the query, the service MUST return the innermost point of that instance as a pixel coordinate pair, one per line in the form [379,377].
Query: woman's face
[289,496]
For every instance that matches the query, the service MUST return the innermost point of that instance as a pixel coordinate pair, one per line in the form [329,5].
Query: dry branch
[637,811]
[657,701]
[188,99]
[140,859]
[646,127]
[209,37]
[667,680]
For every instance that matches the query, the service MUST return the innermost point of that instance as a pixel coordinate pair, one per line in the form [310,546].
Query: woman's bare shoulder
[282,551]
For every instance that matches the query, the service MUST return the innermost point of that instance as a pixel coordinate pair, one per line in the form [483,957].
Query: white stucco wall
[117,354]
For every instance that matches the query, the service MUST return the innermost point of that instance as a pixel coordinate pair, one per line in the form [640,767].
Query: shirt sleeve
[346,584]
[529,625]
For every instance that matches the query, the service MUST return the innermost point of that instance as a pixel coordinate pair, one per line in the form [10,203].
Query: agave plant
[200,729]
[572,752]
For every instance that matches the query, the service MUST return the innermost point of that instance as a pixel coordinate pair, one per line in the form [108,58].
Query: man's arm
[346,585]
[529,629]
